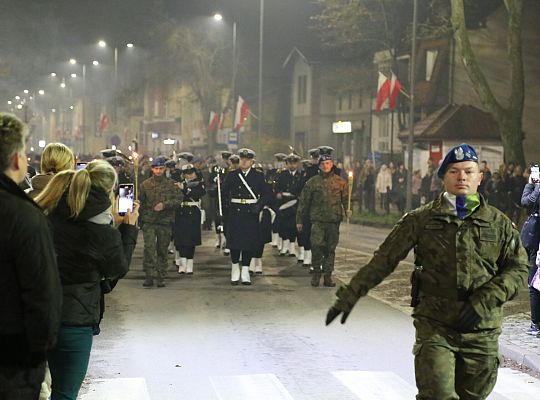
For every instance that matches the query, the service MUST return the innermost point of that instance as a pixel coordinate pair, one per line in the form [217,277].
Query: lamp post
[232,96]
[410,142]
[261,40]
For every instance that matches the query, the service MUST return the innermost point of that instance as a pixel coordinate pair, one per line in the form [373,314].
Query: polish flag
[242,110]
[387,92]
[383,91]
[103,122]
[221,120]
[213,122]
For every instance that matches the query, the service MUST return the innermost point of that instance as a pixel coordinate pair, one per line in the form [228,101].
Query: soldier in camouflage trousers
[469,262]
[323,201]
[159,197]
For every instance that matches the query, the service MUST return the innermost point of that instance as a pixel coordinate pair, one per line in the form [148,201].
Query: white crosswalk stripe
[515,385]
[364,385]
[252,387]
[117,389]
[376,385]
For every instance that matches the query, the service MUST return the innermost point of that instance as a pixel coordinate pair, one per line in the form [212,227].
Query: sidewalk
[514,343]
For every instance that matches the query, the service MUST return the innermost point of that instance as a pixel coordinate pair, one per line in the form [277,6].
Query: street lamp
[261,39]
[219,17]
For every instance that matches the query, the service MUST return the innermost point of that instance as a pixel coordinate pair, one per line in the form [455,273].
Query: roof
[308,55]
[456,122]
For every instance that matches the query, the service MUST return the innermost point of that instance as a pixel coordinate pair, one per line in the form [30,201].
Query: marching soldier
[323,200]
[266,217]
[303,237]
[287,190]
[469,262]
[312,170]
[159,197]
[247,193]
[234,164]
[187,224]
[271,177]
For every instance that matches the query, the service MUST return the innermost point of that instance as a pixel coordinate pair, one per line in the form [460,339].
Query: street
[201,338]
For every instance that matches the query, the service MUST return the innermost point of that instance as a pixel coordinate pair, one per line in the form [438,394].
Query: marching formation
[297,206]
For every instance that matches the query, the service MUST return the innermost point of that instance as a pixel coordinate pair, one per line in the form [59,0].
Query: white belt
[244,201]
[288,204]
[190,203]
[287,194]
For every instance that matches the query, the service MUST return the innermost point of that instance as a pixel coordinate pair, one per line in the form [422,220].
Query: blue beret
[459,153]
[159,161]
[325,157]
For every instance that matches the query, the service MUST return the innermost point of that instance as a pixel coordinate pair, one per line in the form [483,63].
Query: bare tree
[510,117]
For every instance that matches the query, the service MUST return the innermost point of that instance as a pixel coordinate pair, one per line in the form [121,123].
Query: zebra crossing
[362,385]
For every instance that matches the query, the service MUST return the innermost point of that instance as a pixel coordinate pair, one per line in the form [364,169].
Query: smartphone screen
[125,198]
[80,165]
[535,173]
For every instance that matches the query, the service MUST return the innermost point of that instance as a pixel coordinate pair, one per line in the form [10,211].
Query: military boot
[328,281]
[315,278]
[160,282]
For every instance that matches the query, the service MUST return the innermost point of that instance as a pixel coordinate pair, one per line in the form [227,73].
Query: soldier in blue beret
[456,154]
[469,261]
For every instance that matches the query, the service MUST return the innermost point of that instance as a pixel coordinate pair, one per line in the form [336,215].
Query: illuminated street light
[19,106]
[31,97]
[9,102]
[53,110]
[72,61]
[25,91]
[71,107]
[53,74]
[62,85]
[73,75]
[17,97]
[95,62]
[218,17]
[102,43]
[41,92]
[129,45]
[42,143]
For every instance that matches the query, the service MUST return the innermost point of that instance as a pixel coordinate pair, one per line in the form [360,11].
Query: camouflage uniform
[323,200]
[156,225]
[477,262]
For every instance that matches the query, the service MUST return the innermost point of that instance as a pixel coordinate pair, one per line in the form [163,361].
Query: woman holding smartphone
[89,249]
[531,199]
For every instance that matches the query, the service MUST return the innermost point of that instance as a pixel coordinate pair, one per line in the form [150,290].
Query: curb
[517,354]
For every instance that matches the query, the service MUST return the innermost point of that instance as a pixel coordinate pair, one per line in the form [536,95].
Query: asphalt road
[201,338]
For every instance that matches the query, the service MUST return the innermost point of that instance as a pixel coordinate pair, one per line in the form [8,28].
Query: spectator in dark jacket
[496,193]
[516,184]
[89,250]
[30,291]
[531,200]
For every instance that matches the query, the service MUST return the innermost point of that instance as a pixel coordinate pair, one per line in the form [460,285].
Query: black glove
[333,312]
[468,318]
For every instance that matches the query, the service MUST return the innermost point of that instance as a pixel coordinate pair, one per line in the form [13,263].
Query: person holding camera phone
[531,200]
[89,250]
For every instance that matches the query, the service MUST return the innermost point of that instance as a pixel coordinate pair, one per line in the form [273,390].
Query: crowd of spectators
[384,189]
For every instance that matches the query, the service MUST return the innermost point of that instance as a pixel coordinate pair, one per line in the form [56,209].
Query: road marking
[515,385]
[252,387]
[376,385]
[117,389]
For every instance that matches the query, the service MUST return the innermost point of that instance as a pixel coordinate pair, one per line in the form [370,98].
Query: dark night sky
[54,28]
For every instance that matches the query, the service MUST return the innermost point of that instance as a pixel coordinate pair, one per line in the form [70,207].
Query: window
[340,103]
[383,146]
[431,57]
[350,101]
[302,89]
[360,101]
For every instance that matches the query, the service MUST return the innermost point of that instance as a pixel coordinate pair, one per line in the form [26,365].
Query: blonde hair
[56,157]
[98,173]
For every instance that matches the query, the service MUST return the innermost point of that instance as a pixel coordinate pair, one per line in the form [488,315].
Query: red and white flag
[242,111]
[387,92]
[213,122]
[222,120]
[103,122]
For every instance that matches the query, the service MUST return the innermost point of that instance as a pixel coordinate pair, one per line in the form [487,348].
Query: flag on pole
[213,122]
[395,88]
[383,91]
[242,111]
[222,120]
[387,92]
[103,122]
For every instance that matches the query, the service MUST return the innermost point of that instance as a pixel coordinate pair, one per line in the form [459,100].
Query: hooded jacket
[88,252]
